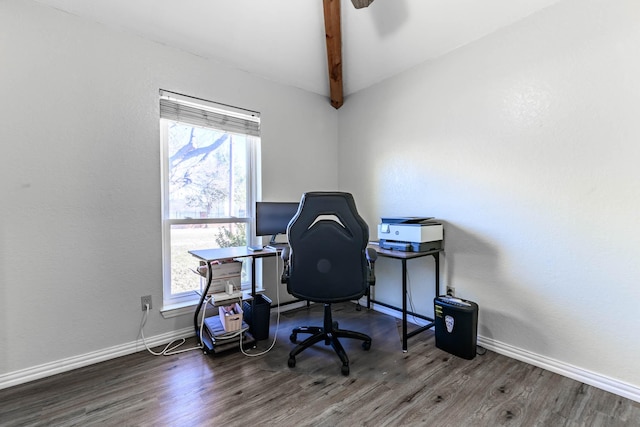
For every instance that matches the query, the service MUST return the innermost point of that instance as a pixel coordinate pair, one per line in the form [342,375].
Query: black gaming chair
[327,261]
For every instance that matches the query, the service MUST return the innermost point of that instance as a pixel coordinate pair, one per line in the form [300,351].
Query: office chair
[328,261]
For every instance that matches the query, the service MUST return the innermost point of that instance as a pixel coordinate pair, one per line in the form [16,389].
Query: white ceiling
[283,40]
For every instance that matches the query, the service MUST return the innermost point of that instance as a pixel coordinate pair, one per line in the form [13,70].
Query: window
[208,191]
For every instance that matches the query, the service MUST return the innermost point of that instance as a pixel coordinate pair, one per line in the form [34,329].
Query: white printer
[411,234]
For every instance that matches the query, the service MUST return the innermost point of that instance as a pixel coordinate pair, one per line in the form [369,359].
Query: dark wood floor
[386,387]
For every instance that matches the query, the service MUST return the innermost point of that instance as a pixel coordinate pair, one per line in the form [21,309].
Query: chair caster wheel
[293,338]
[292,362]
[345,370]
[366,345]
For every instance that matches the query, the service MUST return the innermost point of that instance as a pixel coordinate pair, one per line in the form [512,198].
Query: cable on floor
[171,348]
[275,335]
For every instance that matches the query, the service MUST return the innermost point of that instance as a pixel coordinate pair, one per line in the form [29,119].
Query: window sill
[180,309]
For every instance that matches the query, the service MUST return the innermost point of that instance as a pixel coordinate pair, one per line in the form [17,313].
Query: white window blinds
[198,112]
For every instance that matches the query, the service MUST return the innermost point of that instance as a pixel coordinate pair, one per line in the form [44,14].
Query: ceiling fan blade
[359,4]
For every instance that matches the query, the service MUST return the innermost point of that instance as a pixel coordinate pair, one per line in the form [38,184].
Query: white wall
[80,176]
[526,144]
[523,142]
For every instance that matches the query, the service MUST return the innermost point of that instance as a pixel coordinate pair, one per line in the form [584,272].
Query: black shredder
[456,325]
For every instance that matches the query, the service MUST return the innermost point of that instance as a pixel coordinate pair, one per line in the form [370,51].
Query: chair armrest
[285,269]
[372,256]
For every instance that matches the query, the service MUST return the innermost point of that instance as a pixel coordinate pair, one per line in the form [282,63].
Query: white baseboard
[602,382]
[52,368]
[290,306]
[64,365]
[59,366]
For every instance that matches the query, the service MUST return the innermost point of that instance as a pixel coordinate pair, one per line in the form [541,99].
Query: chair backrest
[327,239]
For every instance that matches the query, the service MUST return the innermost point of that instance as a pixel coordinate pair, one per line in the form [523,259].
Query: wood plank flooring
[424,387]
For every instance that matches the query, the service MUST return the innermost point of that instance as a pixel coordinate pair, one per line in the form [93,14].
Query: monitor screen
[273,217]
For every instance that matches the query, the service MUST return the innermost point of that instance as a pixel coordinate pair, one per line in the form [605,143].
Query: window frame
[188,298]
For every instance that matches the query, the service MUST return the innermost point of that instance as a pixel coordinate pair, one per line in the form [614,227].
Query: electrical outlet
[451,291]
[144,301]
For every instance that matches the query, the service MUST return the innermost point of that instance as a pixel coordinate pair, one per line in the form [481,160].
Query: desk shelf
[216,340]
[222,298]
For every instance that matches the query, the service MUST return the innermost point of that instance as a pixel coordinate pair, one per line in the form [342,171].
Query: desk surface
[390,253]
[233,252]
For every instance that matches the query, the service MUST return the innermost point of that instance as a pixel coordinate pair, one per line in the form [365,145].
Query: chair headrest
[339,207]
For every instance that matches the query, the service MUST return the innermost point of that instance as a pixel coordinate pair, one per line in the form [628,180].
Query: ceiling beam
[334,50]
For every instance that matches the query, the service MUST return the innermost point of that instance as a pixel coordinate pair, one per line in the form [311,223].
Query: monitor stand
[276,245]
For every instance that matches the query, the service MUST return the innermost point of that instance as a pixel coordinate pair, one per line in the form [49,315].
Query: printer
[410,234]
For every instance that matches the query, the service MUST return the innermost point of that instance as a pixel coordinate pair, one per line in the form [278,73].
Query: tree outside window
[205,198]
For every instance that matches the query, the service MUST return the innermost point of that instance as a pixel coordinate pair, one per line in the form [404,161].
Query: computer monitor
[272,218]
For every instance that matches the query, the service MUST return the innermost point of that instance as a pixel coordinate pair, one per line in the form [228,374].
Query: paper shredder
[456,326]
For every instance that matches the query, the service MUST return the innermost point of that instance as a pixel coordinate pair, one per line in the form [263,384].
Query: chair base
[329,333]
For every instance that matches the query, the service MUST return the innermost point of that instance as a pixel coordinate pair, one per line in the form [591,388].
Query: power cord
[275,335]
[171,348]
[416,321]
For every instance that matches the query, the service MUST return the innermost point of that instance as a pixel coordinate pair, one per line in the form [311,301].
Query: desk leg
[436,258]
[253,278]
[404,305]
[253,289]
[199,308]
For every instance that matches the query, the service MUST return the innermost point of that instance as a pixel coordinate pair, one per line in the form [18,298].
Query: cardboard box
[223,274]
